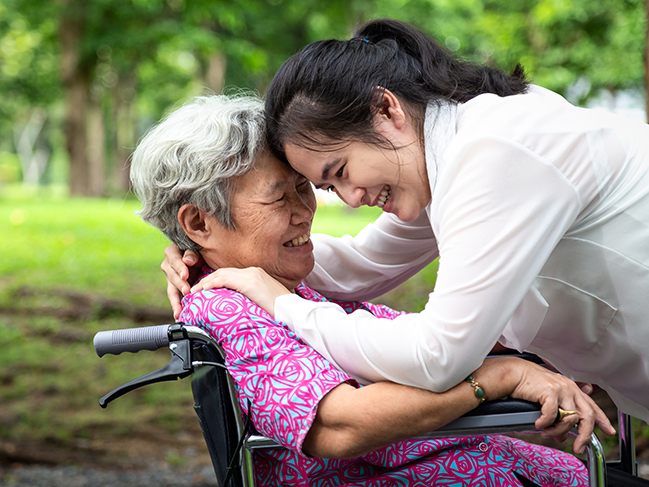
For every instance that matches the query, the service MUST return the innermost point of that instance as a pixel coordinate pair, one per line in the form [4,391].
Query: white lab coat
[540,216]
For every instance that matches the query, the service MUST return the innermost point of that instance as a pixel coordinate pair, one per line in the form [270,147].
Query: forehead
[316,163]
[269,174]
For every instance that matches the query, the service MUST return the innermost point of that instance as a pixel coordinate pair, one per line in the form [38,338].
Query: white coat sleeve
[499,212]
[383,255]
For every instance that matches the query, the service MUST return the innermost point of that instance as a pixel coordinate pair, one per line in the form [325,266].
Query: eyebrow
[328,167]
[279,184]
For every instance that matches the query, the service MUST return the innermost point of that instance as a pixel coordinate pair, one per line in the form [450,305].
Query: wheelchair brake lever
[179,367]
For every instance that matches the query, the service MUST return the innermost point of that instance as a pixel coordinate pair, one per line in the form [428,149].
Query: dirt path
[164,461]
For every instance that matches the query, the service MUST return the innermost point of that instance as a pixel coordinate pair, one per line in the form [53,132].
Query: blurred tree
[575,47]
[29,84]
[110,68]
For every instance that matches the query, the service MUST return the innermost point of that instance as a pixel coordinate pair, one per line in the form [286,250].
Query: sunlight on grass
[95,245]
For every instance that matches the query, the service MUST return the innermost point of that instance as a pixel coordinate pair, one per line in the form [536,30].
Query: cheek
[309,200]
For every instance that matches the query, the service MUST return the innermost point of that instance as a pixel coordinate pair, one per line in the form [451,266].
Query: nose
[303,207]
[351,196]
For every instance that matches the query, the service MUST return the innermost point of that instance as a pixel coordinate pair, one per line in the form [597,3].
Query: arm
[304,403]
[499,212]
[383,255]
[351,422]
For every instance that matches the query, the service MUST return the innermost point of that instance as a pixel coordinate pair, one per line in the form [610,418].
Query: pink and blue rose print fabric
[284,380]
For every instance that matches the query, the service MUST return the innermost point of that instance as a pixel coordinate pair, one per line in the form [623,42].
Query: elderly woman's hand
[252,282]
[554,391]
[180,269]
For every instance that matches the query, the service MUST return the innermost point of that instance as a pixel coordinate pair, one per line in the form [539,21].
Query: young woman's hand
[252,282]
[521,379]
[180,270]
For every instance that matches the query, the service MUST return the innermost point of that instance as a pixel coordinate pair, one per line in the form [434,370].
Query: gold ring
[562,414]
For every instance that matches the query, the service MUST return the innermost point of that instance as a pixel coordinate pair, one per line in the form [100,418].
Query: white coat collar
[440,126]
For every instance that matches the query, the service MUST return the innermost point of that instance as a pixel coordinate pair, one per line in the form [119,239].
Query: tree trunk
[124,116]
[96,137]
[33,158]
[214,76]
[75,80]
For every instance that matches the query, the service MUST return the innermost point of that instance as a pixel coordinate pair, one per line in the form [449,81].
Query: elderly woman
[205,179]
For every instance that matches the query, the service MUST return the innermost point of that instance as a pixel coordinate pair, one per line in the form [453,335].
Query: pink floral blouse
[284,380]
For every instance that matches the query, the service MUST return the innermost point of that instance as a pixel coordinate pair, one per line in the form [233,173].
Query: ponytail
[445,75]
[327,93]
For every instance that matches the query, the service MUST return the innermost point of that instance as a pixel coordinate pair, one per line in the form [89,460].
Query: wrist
[497,377]
[478,391]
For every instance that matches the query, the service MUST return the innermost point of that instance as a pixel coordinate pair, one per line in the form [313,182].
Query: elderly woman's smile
[272,209]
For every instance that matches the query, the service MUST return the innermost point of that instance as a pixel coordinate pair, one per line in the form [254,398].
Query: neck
[213,262]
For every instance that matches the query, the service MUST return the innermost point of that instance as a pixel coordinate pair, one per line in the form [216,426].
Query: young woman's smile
[367,175]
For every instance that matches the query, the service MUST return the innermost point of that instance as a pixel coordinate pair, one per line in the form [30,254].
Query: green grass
[99,246]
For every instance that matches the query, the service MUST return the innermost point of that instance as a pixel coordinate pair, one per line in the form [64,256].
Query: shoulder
[223,312]
[492,113]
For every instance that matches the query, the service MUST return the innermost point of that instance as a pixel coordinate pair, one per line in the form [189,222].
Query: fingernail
[580,450]
[191,259]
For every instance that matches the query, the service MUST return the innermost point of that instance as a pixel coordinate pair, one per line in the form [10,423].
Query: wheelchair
[231,441]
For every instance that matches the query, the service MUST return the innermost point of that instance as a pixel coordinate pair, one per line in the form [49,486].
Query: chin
[406,217]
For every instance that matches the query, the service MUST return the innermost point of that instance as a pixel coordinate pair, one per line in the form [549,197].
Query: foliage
[143,57]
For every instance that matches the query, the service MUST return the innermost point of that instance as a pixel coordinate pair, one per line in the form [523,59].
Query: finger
[605,424]
[585,387]
[584,433]
[176,280]
[190,257]
[173,263]
[175,298]
[595,414]
[561,428]
[602,421]
[211,281]
[223,277]
[587,414]
[549,409]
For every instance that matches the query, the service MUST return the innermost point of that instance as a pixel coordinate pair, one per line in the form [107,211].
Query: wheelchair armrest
[504,416]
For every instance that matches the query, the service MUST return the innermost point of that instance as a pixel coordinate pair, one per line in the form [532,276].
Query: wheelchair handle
[131,340]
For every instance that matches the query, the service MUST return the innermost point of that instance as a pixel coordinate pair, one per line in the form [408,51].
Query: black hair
[327,92]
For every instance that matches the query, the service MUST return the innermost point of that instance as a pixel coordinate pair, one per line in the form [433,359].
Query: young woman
[538,210]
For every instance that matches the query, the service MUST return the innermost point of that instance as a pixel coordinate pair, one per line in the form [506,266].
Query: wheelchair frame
[228,439]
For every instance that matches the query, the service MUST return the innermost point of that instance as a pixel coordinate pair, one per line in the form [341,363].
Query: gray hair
[191,157]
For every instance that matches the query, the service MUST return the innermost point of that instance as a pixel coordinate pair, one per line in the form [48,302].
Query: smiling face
[272,207]
[391,175]
[366,174]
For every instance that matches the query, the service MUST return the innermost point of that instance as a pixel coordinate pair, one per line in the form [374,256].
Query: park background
[82,80]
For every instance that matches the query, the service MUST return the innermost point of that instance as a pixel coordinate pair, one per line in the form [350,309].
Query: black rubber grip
[131,340]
